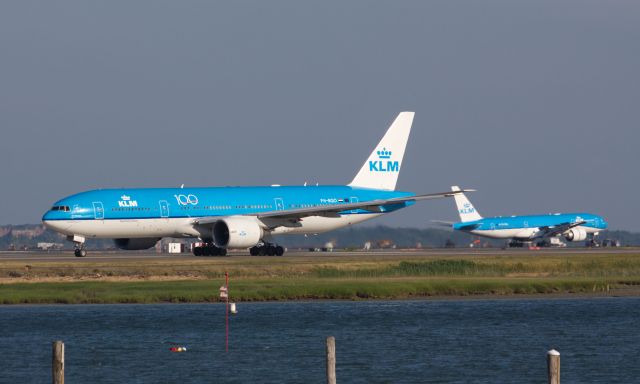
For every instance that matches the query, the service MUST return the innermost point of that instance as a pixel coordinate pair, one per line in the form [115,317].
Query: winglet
[382,168]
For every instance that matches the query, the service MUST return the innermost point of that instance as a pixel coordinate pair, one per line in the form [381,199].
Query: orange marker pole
[226,278]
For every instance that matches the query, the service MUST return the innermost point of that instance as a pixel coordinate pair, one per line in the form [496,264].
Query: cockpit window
[64,208]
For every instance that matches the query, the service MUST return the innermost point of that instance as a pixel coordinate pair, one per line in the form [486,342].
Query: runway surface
[103,256]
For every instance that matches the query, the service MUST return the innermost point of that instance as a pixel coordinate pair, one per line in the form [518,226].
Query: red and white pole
[226,283]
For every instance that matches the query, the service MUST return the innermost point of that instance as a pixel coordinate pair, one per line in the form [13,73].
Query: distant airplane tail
[466,210]
[382,168]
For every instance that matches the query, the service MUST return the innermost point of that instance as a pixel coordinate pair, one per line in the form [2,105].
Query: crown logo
[125,198]
[384,154]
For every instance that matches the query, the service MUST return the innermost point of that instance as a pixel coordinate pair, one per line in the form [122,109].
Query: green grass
[317,277]
[501,268]
[335,265]
[293,289]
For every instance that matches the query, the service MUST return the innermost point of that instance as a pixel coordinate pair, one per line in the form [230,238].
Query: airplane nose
[55,225]
[46,217]
[51,224]
[58,226]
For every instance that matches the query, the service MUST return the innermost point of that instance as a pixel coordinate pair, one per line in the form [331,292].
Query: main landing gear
[266,250]
[516,244]
[209,250]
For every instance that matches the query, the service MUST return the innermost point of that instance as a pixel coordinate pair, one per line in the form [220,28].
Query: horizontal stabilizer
[442,223]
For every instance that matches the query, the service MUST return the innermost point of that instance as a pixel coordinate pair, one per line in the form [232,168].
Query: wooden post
[331,360]
[57,363]
[553,365]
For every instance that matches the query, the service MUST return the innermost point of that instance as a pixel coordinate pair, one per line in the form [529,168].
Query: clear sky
[534,103]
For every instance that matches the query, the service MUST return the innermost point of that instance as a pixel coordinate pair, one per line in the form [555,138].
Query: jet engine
[237,232]
[575,234]
[136,244]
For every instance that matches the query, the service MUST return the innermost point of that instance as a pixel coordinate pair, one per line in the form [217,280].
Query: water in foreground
[458,341]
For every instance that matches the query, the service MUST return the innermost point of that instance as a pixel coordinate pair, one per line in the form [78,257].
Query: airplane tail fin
[466,210]
[382,168]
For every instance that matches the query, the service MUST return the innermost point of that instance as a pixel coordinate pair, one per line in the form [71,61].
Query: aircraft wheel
[279,251]
[80,253]
[253,251]
[271,250]
[197,251]
[262,251]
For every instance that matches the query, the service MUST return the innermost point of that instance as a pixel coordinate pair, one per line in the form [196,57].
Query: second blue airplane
[523,229]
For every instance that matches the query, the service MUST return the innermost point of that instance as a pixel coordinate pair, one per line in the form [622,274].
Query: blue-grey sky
[534,103]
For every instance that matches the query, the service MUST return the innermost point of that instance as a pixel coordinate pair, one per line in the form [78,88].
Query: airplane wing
[333,210]
[558,229]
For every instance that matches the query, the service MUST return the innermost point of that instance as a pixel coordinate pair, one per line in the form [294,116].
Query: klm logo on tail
[384,164]
[467,208]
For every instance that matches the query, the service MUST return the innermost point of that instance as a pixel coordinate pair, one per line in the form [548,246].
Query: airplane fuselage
[170,212]
[530,227]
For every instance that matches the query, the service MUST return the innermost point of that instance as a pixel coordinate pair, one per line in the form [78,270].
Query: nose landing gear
[80,251]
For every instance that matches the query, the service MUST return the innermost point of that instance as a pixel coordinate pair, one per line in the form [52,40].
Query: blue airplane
[521,229]
[239,217]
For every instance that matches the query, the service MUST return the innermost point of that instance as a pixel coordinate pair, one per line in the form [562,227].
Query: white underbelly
[126,228]
[520,233]
[183,227]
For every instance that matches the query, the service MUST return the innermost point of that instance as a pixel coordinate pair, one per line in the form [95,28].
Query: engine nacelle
[237,232]
[136,244]
[576,234]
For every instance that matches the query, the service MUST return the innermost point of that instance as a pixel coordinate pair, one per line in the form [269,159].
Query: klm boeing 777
[520,229]
[238,217]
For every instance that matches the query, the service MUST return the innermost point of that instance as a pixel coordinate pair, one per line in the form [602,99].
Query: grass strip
[295,289]
[335,266]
